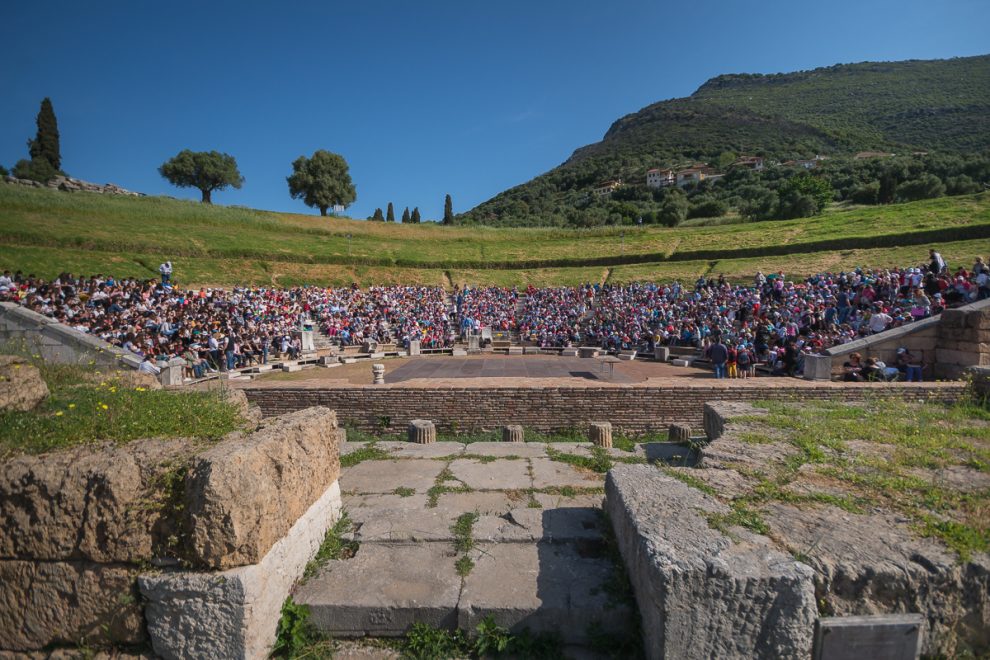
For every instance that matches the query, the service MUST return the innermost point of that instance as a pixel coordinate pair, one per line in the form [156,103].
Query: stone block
[474,343]
[600,434]
[545,587]
[340,435]
[887,636]
[399,586]
[661,353]
[588,352]
[458,352]
[681,362]
[531,350]
[960,358]
[82,504]
[328,361]
[569,351]
[817,367]
[555,474]
[52,603]
[306,341]
[414,349]
[490,475]
[700,593]
[422,431]
[377,355]
[21,385]
[627,356]
[289,368]
[171,373]
[679,433]
[378,374]
[242,497]
[512,433]
[387,475]
[953,318]
[515,350]
[234,613]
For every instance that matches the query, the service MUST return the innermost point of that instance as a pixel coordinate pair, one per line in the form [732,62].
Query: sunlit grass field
[46,232]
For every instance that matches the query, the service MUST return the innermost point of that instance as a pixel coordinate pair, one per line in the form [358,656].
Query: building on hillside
[873,154]
[696,174]
[606,188]
[808,164]
[657,178]
[754,163]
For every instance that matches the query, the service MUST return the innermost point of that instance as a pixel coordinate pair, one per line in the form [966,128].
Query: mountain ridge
[912,105]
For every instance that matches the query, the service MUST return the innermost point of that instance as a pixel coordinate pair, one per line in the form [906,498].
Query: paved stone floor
[537,556]
[501,367]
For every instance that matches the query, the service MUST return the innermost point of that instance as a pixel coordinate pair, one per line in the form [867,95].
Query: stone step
[545,587]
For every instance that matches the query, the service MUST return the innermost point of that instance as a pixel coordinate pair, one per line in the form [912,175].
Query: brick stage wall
[634,409]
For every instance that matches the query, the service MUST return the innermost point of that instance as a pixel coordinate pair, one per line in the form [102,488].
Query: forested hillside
[941,107]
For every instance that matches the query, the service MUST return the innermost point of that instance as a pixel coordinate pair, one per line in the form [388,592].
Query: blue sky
[421,99]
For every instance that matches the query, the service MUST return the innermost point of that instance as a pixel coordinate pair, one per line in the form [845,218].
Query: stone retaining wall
[631,409]
[700,593]
[81,525]
[946,344]
[870,562]
[55,342]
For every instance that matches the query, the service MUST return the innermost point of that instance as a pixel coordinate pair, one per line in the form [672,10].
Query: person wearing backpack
[745,361]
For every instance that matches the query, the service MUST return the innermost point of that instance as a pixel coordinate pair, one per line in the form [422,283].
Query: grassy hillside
[45,232]
[939,106]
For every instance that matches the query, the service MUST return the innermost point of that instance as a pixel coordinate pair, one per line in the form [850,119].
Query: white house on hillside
[607,187]
[657,178]
[695,174]
[752,162]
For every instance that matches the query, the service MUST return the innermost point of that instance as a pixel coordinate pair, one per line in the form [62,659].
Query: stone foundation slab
[702,594]
[233,613]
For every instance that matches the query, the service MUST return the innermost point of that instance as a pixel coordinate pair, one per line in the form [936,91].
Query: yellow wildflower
[58,414]
[104,406]
[72,405]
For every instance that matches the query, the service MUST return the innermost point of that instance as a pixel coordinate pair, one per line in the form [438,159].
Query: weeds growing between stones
[333,547]
[371,452]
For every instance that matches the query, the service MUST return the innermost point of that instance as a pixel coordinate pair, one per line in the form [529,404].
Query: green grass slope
[46,232]
[938,105]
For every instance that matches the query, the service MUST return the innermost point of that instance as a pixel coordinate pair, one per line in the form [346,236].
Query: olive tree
[322,181]
[205,170]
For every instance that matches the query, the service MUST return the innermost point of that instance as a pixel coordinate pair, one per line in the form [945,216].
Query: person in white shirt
[166,270]
[879,321]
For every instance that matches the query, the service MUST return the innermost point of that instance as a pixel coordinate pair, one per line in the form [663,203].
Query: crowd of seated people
[485,307]
[772,318]
[386,314]
[551,317]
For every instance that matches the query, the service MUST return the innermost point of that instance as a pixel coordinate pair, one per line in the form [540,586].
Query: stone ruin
[194,549]
[190,547]
[705,592]
[70,184]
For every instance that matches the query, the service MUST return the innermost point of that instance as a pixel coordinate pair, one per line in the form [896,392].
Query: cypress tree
[448,211]
[45,146]
[415,219]
[405,216]
[390,214]
[378,217]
